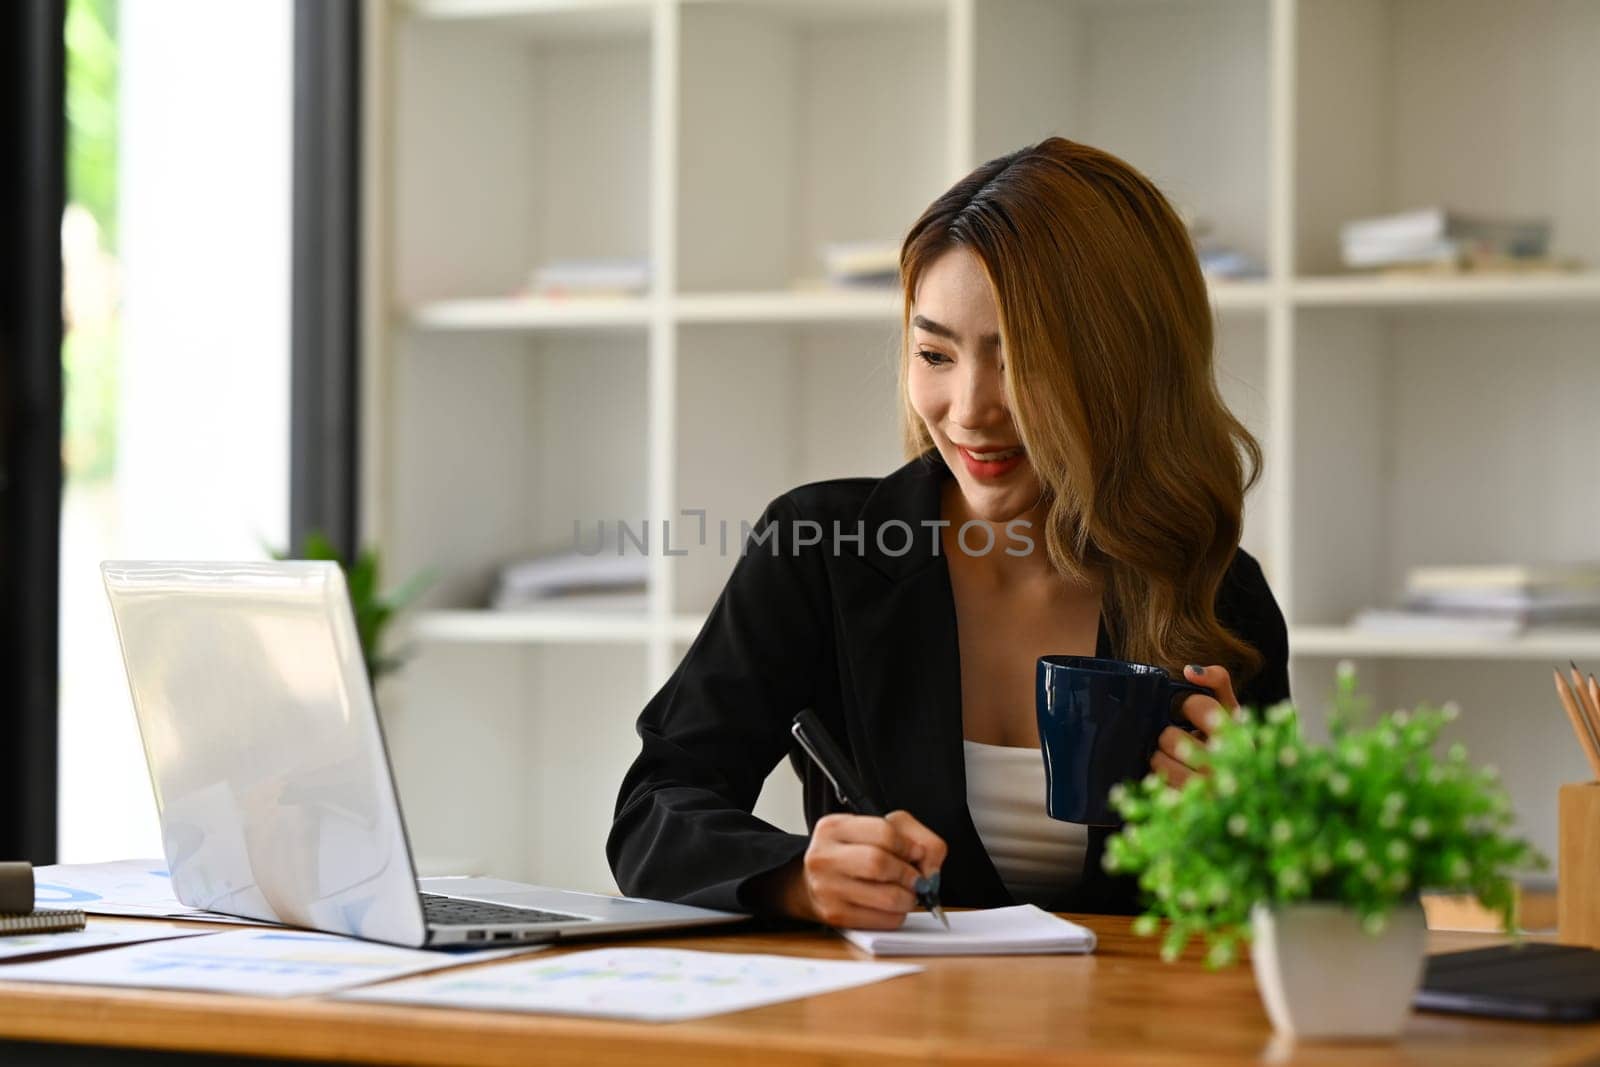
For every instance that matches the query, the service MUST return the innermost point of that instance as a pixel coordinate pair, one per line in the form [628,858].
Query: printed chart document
[651,984]
[99,934]
[1020,931]
[138,888]
[273,963]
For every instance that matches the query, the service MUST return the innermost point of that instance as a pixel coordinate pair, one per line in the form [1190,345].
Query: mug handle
[1177,690]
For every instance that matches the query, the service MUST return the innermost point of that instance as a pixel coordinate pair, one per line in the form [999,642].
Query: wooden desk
[1121,1005]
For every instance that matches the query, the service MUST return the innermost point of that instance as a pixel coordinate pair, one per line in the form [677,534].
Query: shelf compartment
[508,440]
[511,152]
[1433,437]
[1178,90]
[803,125]
[763,408]
[1395,112]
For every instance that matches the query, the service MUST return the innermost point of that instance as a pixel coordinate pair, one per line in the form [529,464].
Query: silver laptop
[271,777]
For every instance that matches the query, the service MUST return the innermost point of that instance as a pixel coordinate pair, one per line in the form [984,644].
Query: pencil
[1586,703]
[1580,723]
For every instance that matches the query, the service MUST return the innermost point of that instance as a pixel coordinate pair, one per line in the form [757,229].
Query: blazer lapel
[904,658]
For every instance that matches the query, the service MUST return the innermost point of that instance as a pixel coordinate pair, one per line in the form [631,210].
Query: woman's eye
[930,357]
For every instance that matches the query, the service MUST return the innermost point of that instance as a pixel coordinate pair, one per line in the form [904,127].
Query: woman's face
[956,382]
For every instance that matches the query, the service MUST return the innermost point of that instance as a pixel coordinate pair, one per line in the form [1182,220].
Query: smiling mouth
[994,455]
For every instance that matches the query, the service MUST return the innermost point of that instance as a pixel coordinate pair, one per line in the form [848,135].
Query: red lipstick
[990,470]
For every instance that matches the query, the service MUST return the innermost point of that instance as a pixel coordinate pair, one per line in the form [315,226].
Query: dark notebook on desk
[1555,983]
[17,913]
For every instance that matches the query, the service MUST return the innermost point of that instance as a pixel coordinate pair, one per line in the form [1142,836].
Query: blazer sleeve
[683,829]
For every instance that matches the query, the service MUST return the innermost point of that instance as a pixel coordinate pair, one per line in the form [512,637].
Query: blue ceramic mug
[1099,722]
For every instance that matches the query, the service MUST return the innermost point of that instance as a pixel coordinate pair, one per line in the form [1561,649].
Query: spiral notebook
[17,913]
[1023,930]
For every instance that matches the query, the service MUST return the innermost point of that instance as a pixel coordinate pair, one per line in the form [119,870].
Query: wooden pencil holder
[1578,864]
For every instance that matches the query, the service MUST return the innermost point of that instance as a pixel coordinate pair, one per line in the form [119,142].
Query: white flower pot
[1322,976]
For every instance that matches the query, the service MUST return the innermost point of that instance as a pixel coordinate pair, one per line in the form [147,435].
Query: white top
[1038,857]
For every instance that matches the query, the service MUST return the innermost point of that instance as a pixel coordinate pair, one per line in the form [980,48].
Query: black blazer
[866,637]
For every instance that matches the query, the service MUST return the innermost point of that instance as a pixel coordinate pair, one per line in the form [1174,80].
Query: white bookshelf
[1405,420]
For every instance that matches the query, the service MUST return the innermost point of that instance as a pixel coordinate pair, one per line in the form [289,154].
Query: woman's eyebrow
[922,322]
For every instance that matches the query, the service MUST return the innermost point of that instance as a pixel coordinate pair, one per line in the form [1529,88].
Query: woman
[1060,408]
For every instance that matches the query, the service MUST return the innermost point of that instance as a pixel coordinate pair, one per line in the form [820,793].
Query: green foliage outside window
[91,38]
[1367,820]
[91,349]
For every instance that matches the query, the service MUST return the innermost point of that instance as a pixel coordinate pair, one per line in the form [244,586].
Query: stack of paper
[604,570]
[591,277]
[1490,602]
[1218,258]
[852,264]
[1020,931]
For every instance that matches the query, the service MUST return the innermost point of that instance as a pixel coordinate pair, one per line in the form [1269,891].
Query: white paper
[139,888]
[98,934]
[1018,931]
[274,963]
[651,984]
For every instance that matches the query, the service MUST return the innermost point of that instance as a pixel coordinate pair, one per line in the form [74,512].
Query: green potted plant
[1317,854]
[374,610]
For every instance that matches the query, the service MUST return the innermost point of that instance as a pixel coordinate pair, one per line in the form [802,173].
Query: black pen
[836,767]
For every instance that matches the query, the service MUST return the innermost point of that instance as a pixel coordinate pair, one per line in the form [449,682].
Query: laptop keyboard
[453,911]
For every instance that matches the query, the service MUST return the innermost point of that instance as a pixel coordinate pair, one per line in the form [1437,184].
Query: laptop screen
[272,782]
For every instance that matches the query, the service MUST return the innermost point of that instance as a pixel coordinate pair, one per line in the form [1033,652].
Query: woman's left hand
[1203,711]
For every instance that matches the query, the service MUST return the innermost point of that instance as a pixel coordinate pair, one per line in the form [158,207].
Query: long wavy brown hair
[1107,333]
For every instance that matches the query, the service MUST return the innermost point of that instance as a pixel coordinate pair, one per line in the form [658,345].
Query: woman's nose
[980,398]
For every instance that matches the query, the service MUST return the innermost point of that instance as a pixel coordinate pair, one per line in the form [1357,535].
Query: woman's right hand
[860,871]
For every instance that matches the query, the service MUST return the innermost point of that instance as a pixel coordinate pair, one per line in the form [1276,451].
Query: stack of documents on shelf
[1227,262]
[1024,930]
[591,278]
[1491,602]
[602,572]
[1398,622]
[652,984]
[1440,237]
[1218,259]
[857,264]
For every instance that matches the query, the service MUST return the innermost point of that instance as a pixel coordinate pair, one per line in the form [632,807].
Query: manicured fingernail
[920,886]
[933,882]
[1195,668]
